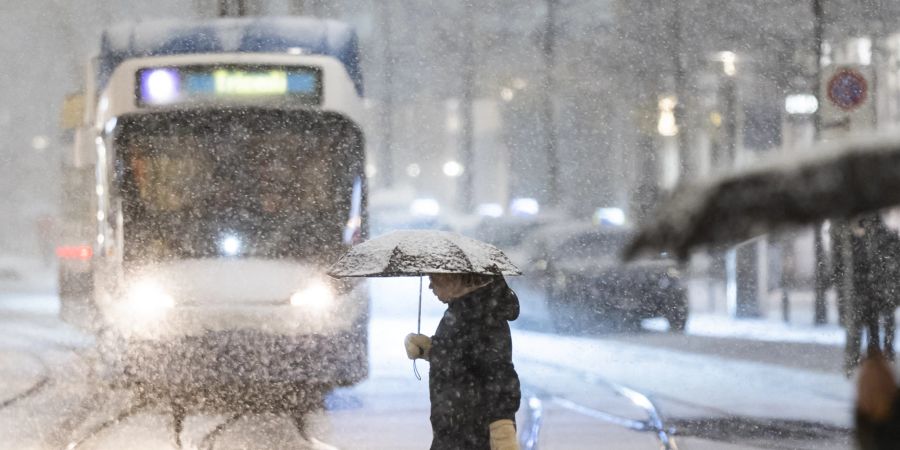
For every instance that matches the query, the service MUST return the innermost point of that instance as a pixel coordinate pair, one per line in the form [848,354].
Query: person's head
[448,286]
[865,224]
[858,227]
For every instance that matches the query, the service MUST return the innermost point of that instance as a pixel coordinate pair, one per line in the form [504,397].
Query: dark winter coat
[472,379]
[884,255]
[876,265]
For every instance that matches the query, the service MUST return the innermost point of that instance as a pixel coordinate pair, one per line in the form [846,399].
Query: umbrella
[422,252]
[840,179]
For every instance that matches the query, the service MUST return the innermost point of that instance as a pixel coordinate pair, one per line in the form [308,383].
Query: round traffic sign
[847,89]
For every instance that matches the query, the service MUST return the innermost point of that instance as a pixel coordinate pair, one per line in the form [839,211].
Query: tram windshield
[235,184]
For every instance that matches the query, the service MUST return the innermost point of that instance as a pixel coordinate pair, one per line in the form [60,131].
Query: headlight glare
[317,295]
[149,295]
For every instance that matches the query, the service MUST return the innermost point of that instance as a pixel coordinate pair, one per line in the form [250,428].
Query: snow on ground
[20,372]
[24,274]
[684,383]
[716,325]
[390,410]
[30,321]
[687,382]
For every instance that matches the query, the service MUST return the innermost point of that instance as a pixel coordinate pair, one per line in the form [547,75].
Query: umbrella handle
[419,325]
[418,328]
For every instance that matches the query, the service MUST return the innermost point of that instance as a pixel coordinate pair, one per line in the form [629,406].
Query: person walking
[860,310]
[474,388]
[875,270]
[884,282]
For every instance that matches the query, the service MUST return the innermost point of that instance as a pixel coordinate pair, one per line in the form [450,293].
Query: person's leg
[852,346]
[889,330]
[873,343]
[853,341]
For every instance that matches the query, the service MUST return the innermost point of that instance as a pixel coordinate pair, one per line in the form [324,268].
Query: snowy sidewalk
[709,316]
[24,274]
[769,330]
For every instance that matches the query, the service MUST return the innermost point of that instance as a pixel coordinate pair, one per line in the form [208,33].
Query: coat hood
[493,301]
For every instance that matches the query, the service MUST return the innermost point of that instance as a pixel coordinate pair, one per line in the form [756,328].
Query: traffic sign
[847,89]
[846,100]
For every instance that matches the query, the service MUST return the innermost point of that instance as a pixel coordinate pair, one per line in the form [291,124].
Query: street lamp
[40,143]
[728,59]
[727,109]
[666,125]
[371,170]
[801,104]
[453,169]
[508,93]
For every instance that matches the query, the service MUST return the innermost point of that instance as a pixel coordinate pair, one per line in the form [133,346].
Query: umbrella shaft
[419,324]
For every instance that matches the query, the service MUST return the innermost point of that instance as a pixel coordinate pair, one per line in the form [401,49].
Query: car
[587,287]
[507,233]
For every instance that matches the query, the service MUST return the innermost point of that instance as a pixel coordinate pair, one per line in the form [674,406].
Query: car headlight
[673,272]
[317,295]
[148,295]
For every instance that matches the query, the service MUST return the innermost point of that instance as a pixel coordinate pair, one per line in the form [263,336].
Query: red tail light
[79,252]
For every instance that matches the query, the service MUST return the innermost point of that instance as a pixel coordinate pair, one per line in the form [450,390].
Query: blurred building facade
[722,68]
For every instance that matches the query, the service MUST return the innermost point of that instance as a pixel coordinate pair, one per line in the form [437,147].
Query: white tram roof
[123,92]
[168,37]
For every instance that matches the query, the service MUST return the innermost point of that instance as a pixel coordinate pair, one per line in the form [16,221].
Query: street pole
[821,282]
[387,113]
[306,7]
[742,262]
[680,94]
[232,8]
[549,114]
[467,157]
[730,121]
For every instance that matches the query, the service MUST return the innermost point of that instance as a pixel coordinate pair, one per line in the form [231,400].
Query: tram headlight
[230,245]
[149,296]
[318,296]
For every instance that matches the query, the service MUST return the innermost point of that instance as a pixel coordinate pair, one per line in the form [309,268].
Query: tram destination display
[158,86]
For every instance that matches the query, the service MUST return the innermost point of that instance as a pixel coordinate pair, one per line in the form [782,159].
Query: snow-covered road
[718,392]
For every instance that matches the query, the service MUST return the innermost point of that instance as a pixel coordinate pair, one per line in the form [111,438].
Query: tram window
[167,182]
[283,188]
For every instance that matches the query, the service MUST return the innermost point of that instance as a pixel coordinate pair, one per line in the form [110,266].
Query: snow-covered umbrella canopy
[838,179]
[422,252]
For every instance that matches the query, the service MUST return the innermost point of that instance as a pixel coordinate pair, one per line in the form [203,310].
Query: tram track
[103,426]
[35,388]
[42,382]
[534,421]
[654,422]
[206,442]
[30,348]
[720,426]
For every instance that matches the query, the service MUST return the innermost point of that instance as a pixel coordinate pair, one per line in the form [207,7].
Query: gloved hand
[503,435]
[417,346]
